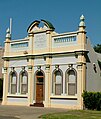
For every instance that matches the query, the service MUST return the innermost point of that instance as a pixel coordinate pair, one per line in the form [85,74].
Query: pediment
[34,26]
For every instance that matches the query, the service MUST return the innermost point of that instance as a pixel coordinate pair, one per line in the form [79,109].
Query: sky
[63,14]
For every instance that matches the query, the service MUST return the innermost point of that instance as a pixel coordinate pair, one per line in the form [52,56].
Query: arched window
[57,82]
[13,82]
[71,82]
[23,82]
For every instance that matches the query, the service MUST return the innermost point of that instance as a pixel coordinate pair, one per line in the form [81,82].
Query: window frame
[20,82]
[67,83]
[54,81]
[10,82]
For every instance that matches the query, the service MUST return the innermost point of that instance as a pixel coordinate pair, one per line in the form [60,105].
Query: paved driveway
[24,112]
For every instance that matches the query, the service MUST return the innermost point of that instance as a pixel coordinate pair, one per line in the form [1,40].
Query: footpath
[24,112]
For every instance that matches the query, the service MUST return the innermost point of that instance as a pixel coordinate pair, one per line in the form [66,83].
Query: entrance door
[39,89]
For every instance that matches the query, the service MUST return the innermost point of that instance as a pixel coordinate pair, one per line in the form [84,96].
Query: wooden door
[39,93]
[39,90]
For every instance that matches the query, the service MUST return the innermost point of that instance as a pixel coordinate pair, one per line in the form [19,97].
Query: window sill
[63,97]
[16,96]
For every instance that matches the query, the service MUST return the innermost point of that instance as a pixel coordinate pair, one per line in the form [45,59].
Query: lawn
[74,114]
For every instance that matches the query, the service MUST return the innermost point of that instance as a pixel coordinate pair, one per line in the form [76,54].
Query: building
[1,76]
[50,69]
[1,61]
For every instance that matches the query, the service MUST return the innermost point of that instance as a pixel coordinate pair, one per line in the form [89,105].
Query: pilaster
[81,78]
[49,42]
[31,46]
[5,82]
[48,81]
[30,81]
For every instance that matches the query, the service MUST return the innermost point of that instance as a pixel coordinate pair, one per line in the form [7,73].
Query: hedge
[92,100]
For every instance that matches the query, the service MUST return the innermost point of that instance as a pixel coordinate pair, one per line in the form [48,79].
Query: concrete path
[24,112]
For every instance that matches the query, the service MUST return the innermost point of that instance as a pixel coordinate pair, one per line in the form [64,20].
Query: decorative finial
[82,18]
[82,23]
[8,35]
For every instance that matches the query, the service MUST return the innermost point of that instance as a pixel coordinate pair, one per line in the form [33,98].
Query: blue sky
[63,14]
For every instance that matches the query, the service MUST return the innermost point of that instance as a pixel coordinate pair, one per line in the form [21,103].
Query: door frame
[35,91]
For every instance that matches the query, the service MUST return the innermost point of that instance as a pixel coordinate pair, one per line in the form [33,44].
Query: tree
[97,48]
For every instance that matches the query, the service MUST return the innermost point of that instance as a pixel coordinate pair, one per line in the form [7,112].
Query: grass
[74,114]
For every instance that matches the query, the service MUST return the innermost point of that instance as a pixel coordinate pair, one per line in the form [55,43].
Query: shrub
[92,100]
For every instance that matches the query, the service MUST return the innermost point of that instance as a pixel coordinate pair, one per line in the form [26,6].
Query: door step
[37,105]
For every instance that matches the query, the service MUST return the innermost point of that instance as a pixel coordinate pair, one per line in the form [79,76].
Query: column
[49,41]
[5,83]
[81,79]
[30,82]
[31,45]
[48,81]
[6,62]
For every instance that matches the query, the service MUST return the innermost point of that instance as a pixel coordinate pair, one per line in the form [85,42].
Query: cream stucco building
[49,69]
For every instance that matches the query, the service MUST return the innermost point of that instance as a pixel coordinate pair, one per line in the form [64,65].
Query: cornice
[32,56]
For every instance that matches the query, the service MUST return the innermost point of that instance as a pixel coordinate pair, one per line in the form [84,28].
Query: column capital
[30,34]
[5,69]
[47,67]
[30,67]
[80,65]
[48,32]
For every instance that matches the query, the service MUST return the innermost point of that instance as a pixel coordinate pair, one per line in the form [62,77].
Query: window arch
[57,82]
[71,82]
[13,82]
[23,83]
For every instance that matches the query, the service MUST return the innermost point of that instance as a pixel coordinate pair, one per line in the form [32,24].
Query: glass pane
[58,78]
[13,81]
[23,89]
[71,76]
[57,89]
[13,88]
[39,79]
[24,79]
[71,89]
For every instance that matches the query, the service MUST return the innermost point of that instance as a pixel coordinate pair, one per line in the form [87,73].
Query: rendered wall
[15,99]
[93,79]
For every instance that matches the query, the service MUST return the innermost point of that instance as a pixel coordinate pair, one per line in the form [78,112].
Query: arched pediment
[32,25]
[35,26]
[48,24]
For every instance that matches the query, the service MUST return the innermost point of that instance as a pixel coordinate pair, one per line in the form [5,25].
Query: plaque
[40,41]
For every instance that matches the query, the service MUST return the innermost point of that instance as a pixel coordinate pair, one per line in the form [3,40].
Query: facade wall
[1,61]
[54,65]
[93,80]
[64,103]
[18,98]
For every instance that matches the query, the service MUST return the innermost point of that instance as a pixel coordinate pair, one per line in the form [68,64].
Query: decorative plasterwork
[34,26]
[47,67]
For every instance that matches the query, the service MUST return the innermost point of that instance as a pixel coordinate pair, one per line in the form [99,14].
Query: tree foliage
[92,100]
[97,48]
